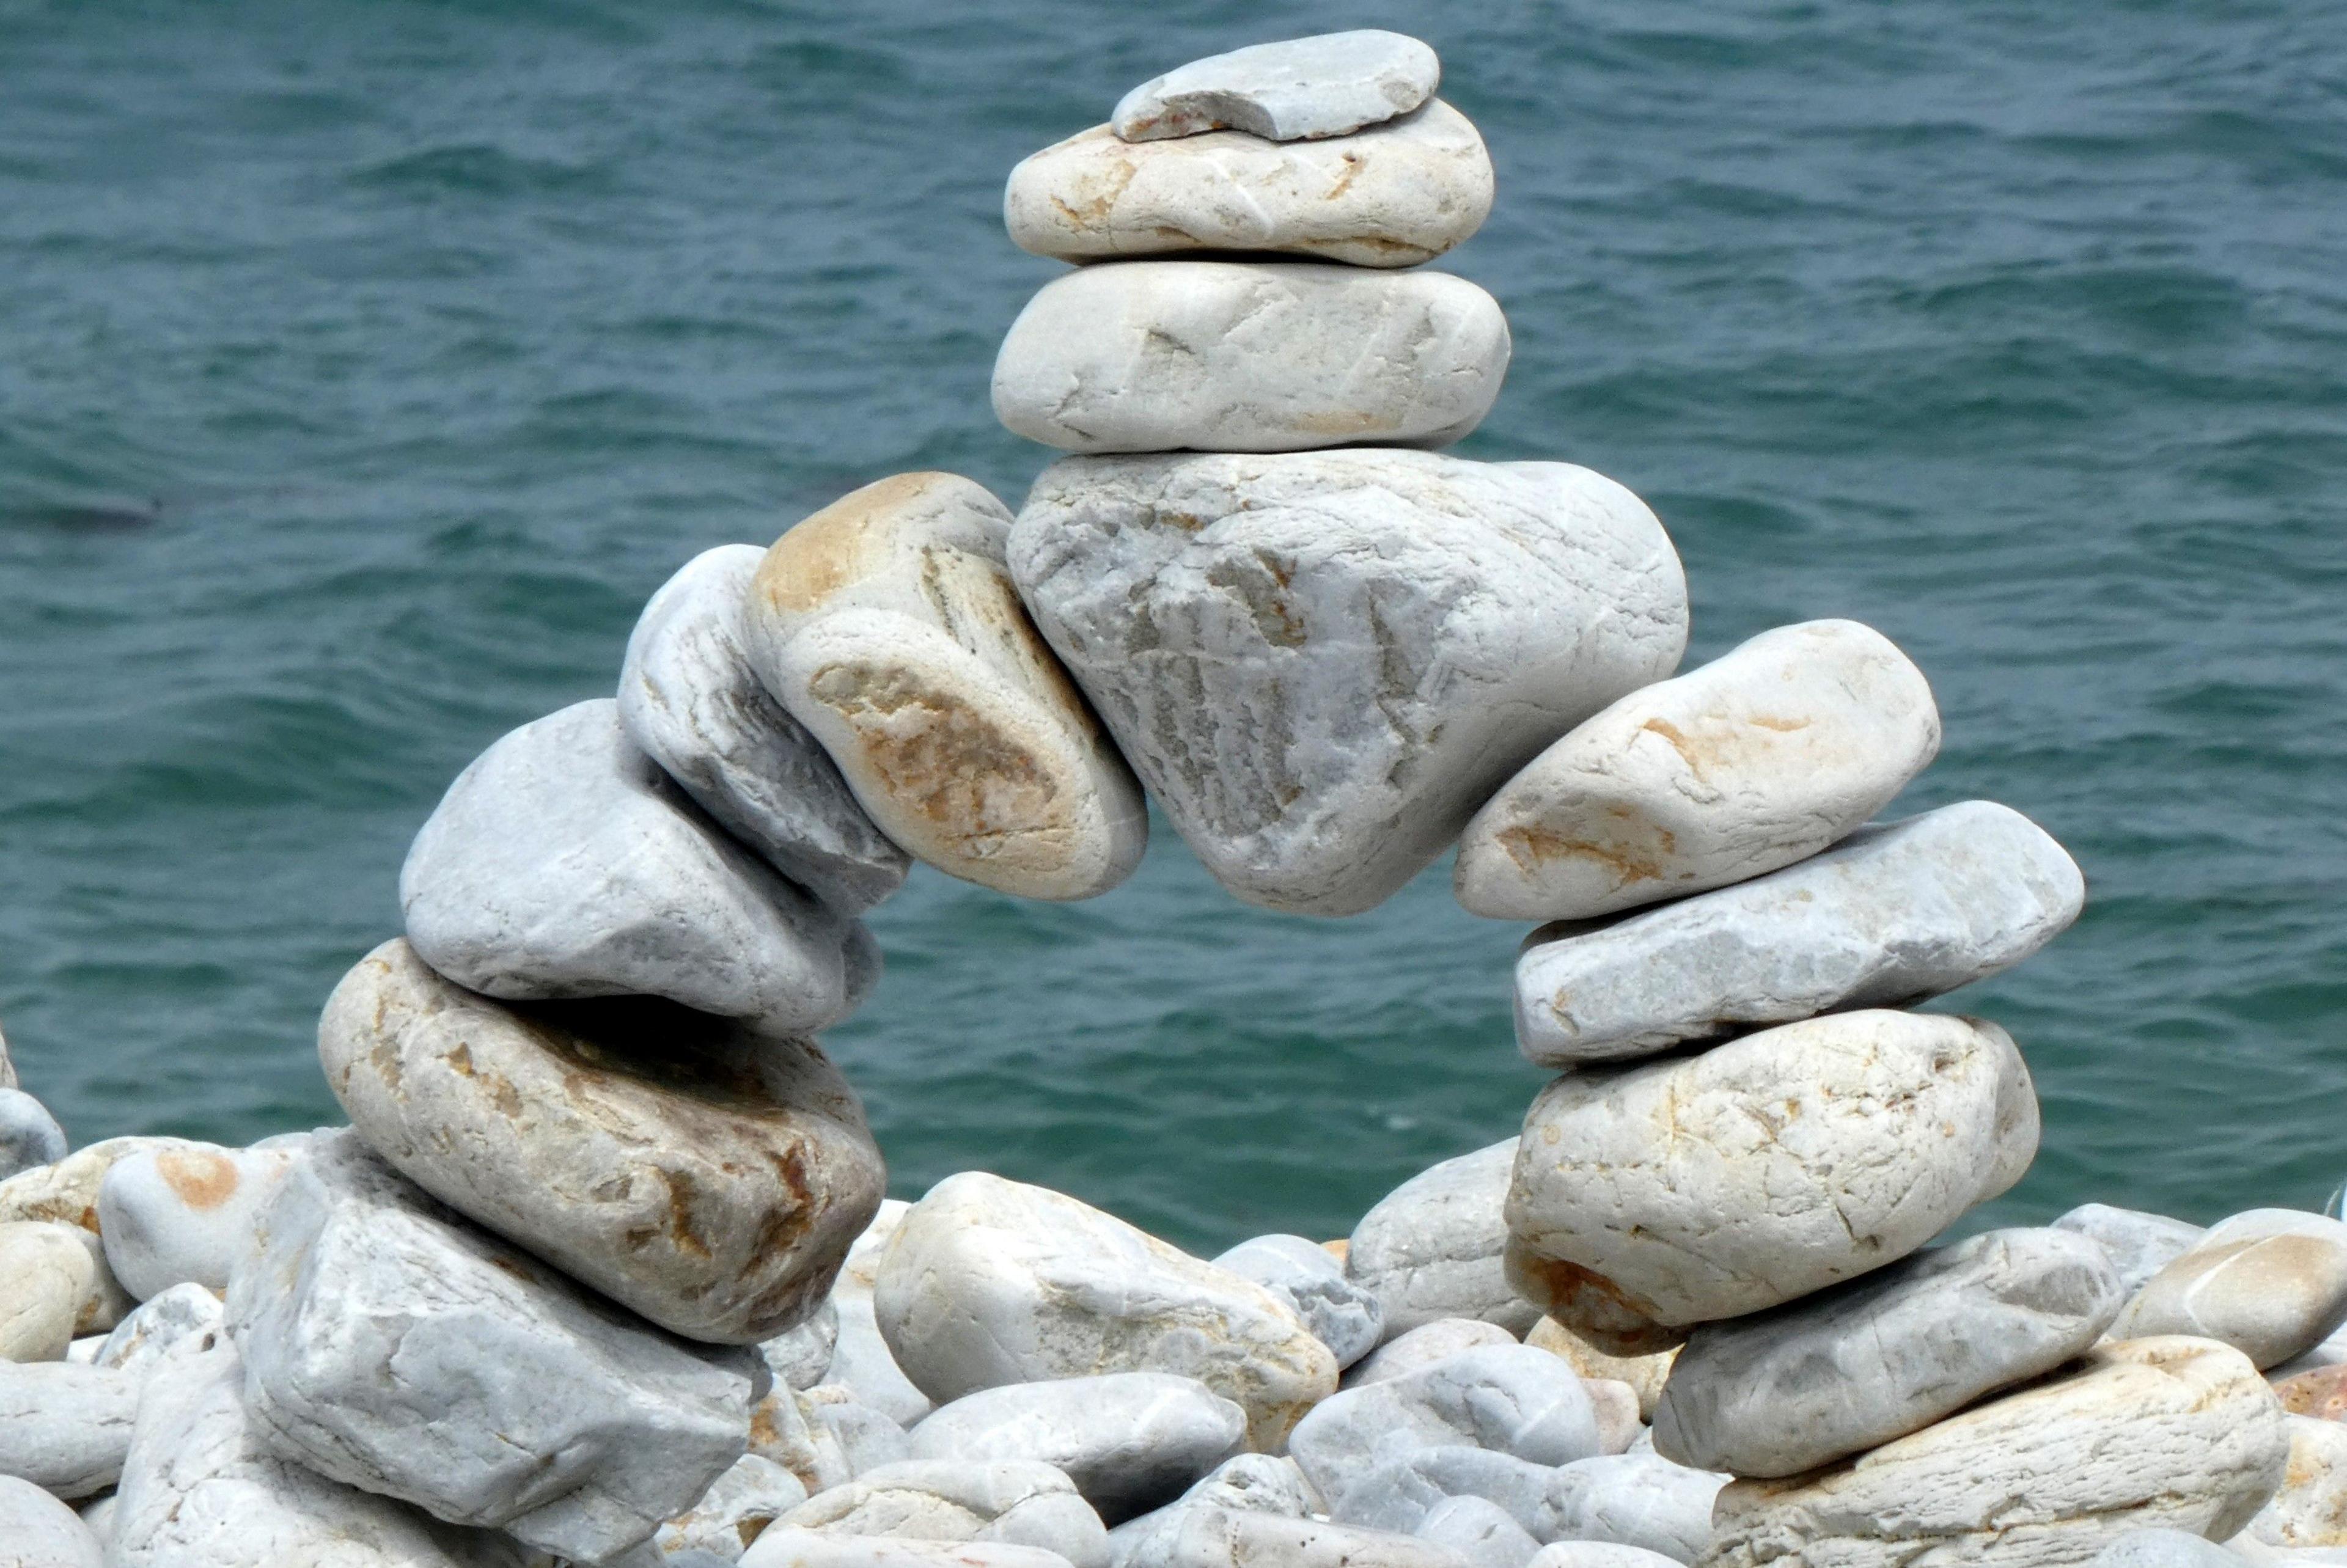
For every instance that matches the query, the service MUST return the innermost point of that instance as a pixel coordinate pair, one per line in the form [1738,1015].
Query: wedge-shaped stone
[1129,1440]
[565,864]
[1759,759]
[183,1214]
[1249,356]
[689,699]
[1895,914]
[708,1178]
[1015,1503]
[2271,1283]
[2166,1431]
[1852,1367]
[65,1427]
[1649,1199]
[393,1347]
[987,1282]
[1324,85]
[1392,195]
[1434,1247]
[886,624]
[1322,664]
[36,1531]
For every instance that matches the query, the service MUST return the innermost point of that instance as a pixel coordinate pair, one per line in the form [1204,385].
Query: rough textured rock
[36,1531]
[1422,1347]
[2271,1283]
[1322,663]
[691,699]
[65,1428]
[802,1357]
[1434,1247]
[1650,1198]
[1392,195]
[886,624]
[1297,88]
[1209,1537]
[783,1547]
[1511,1399]
[160,1323]
[183,1214]
[2320,1392]
[2310,1507]
[29,1136]
[1884,1354]
[989,1281]
[49,1273]
[1634,1500]
[392,1347]
[2165,1431]
[563,863]
[1644,1374]
[1347,1317]
[1760,758]
[1482,1532]
[1245,1483]
[735,1510]
[1131,1441]
[2140,1244]
[1249,356]
[1015,1503]
[1895,914]
[705,1177]
[2164,1549]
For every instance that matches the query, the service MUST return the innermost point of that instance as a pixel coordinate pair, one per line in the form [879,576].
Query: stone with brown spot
[2320,1393]
[886,625]
[184,1214]
[2271,1283]
[703,1175]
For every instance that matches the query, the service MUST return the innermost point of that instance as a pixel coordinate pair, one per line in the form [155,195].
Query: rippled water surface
[362,368]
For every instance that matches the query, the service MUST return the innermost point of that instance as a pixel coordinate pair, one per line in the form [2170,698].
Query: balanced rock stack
[601,1273]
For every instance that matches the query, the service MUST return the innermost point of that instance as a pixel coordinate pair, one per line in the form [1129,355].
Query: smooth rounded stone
[65,1428]
[1131,1441]
[866,1436]
[2330,1351]
[2319,1392]
[184,1214]
[1650,1198]
[1322,663]
[1510,1398]
[735,1510]
[1423,1346]
[29,1136]
[782,1547]
[691,699]
[1249,356]
[67,1191]
[1766,756]
[1296,90]
[1615,1404]
[1433,1248]
[706,1177]
[392,1347]
[2167,1432]
[1895,914]
[2164,1549]
[987,1282]
[105,1303]
[160,1323]
[98,1516]
[1634,1500]
[49,1273]
[563,864]
[886,624]
[2309,1508]
[2271,1283]
[1390,195]
[1403,1485]
[36,1531]
[1018,1502]
[860,1359]
[1645,1374]
[1347,1317]
[802,1357]
[1248,1483]
[1208,1537]
[2140,1244]
[1483,1534]
[1884,1354]
[1598,1554]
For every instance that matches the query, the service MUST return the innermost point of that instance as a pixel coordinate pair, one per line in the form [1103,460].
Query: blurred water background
[363,367]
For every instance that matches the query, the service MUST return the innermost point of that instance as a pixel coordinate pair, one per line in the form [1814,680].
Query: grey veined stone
[563,863]
[2140,1244]
[1322,663]
[1129,1440]
[1434,1247]
[1346,1317]
[690,698]
[1249,356]
[1324,85]
[1896,913]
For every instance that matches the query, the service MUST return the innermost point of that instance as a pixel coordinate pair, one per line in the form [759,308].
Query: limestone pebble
[1324,85]
[36,1531]
[29,1136]
[49,1273]
[184,1214]
[1014,1502]
[65,1428]
[2270,1282]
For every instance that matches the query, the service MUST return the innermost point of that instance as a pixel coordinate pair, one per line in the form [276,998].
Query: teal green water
[363,368]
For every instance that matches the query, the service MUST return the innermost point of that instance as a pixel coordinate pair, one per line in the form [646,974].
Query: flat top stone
[1294,90]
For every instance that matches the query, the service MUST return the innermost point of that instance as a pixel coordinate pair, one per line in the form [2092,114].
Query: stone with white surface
[1645,1374]
[1322,663]
[1434,1247]
[1401,1485]
[1853,1366]
[1511,1399]
[784,1547]
[1249,356]
[2164,1549]
[65,1427]
[1483,1534]
[49,1275]
[1650,1198]
[987,1282]
[1392,195]
[1131,1441]
[160,1323]
[783,1430]
[867,1438]
[1759,759]
[184,1214]
[802,1357]
[2165,1431]
[1598,1554]
[36,1531]
[738,1507]
[1210,1537]
[1423,1346]
[2140,1244]
[706,1177]
[1896,913]
[1615,1404]
[2309,1509]
[1292,90]
[1246,1483]
[29,1136]
[1346,1317]
[887,625]
[860,1358]
[67,1191]
[391,1345]
[1634,1500]
[1016,1503]
[2271,1283]
[563,863]
[690,698]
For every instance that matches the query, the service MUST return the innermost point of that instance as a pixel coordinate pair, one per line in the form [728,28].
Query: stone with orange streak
[184,1214]
[1766,756]
[886,625]
[2271,1283]
[703,1175]
[1249,356]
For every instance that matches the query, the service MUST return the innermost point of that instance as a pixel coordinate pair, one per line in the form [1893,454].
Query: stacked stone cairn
[601,1272]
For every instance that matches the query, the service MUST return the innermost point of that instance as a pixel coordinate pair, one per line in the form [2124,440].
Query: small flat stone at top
[1300,89]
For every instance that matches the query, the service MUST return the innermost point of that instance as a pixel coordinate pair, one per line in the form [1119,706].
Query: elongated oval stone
[2271,1283]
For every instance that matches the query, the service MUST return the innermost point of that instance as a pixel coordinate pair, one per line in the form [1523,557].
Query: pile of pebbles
[601,1272]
